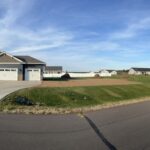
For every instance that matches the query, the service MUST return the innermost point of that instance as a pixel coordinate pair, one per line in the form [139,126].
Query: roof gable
[8,59]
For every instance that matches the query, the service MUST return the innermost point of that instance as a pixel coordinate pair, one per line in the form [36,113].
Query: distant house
[139,71]
[53,69]
[112,72]
[53,72]
[104,73]
[20,67]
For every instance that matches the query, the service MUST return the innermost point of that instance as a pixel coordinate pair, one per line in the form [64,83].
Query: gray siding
[35,66]
[19,66]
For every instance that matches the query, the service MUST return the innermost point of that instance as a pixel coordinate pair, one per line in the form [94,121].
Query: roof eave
[11,63]
[35,63]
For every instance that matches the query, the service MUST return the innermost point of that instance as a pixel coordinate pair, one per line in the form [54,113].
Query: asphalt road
[7,87]
[120,128]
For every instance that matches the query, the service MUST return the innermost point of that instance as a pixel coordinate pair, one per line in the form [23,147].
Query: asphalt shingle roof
[53,68]
[29,60]
[141,69]
[4,58]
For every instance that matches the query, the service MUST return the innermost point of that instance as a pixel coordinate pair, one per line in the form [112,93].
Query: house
[20,67]
[53,69]
[104,73]
[139,71]
[112,72]
[53,72]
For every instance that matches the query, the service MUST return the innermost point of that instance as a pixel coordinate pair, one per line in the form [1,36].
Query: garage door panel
[9,74]
[33,74]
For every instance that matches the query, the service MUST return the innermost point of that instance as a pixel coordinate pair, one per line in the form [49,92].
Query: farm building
[20,67]
[53,69]
[139,71]
[113,72]
[104,73]
[53,72]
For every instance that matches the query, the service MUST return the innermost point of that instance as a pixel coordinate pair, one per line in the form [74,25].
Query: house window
[7,69]
[36,70]
[29,70]
[13,69]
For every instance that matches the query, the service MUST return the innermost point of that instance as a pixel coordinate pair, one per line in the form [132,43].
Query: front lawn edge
[53,110]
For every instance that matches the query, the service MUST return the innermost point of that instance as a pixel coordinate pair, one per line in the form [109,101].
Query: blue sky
[85,35]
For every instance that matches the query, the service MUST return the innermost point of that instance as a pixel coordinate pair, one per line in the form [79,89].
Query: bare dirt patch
[86,82]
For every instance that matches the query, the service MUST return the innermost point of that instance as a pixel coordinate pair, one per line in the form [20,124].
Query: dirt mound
[86,82]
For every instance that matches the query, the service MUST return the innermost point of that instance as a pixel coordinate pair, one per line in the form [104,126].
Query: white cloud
[13,11]
[74,52]
[18,38]
[132,29]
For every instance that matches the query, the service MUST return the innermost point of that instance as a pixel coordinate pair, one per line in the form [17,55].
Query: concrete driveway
[7,87]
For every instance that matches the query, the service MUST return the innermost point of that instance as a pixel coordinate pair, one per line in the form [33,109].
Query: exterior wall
[131,72]
[148,72]
[81,75]
[53,71]
[104,73]
[18,66]
[20,76]
[53,75]
[114,73]
[34,66]
[139,73]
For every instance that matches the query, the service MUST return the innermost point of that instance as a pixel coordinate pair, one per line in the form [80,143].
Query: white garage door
[33,74]
[9,74]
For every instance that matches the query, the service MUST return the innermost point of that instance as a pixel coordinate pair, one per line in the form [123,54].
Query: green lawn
[74,97]
[78,96]
[142,78]
[139,78]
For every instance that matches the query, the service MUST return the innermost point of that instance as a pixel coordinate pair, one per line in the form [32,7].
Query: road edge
[51,110]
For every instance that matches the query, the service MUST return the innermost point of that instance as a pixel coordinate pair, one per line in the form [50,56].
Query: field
[80,93]
[87,82]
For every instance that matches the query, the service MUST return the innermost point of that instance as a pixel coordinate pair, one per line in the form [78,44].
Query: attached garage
[20,68]
[9,74]
[32,74]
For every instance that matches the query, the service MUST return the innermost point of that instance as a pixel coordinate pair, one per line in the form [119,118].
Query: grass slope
[139,78]
[79,96]
[74,97]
